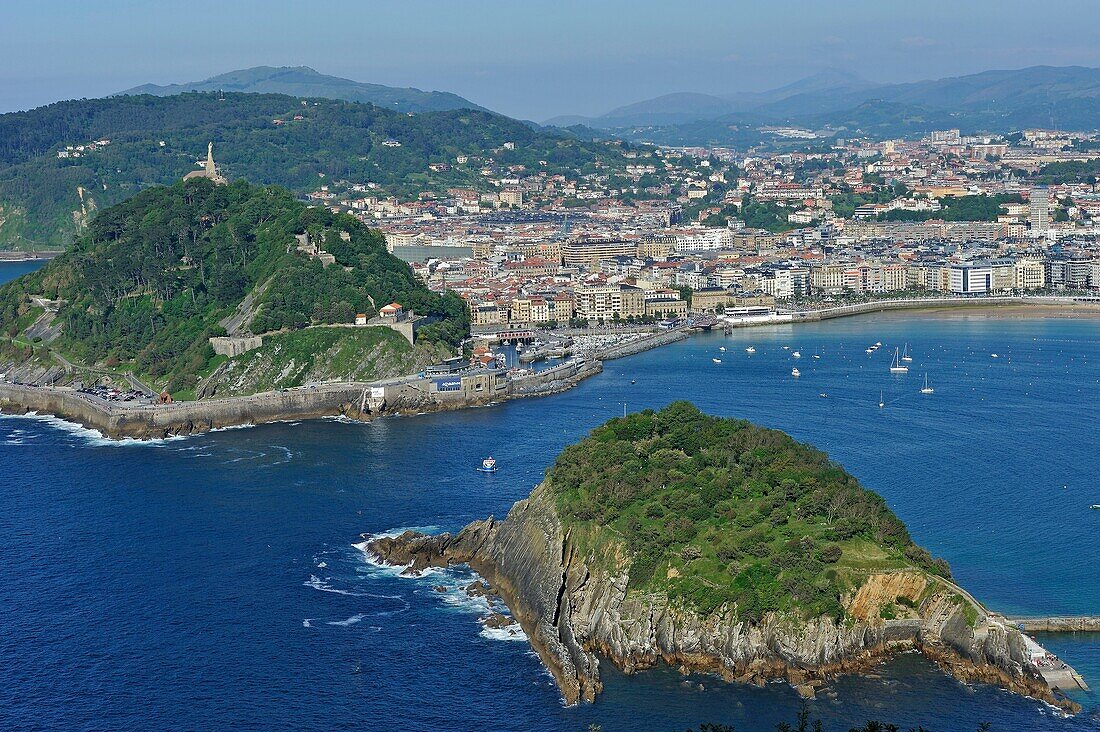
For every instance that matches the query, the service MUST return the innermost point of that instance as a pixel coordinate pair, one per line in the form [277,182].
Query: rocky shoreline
[574,608]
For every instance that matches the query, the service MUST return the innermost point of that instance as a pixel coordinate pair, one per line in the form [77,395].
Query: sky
[532,59]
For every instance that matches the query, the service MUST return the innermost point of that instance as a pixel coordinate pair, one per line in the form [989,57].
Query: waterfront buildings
[675,230]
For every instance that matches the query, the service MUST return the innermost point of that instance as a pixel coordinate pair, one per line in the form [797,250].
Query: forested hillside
[722,512]
[45,200]
[306,82]
[146,286]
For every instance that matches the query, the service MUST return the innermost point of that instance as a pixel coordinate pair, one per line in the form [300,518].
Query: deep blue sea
[211,583]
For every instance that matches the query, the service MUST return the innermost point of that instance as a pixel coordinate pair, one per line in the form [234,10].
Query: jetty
[1058,674]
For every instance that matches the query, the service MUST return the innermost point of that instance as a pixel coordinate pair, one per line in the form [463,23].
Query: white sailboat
[905,354]
[926,389]
[896,367]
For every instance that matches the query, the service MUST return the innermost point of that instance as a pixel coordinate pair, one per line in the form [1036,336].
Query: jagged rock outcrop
[574,606]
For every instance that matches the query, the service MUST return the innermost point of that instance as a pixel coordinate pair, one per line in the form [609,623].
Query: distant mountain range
[302,81]
[996,101]
[683,107]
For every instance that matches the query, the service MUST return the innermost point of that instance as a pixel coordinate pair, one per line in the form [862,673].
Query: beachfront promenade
[919,303]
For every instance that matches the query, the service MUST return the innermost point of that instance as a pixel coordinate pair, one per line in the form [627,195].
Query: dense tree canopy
[332,140]
[722,512]
[152,277]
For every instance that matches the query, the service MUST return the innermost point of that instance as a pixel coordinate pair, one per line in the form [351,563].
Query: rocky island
[715,545]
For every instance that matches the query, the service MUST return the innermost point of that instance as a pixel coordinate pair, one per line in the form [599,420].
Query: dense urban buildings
[715,228]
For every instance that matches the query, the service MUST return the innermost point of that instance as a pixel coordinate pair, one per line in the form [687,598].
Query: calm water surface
[210,582]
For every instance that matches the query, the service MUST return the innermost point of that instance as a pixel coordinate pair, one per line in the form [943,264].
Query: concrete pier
[1058,674]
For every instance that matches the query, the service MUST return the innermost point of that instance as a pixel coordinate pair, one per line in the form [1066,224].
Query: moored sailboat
[897,367]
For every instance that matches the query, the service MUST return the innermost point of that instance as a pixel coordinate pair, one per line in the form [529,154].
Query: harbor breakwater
[355,400]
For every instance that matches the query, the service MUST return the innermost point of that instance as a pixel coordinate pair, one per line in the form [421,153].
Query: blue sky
[529,58]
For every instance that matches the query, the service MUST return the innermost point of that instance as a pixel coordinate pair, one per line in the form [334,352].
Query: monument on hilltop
[209,170]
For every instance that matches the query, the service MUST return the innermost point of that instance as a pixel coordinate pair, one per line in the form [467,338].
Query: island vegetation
[720,512]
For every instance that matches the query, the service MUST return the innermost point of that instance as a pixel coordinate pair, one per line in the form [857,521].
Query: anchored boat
[896,367]
[488,465]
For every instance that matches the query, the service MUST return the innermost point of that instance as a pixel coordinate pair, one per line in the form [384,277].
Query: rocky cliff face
[574,606]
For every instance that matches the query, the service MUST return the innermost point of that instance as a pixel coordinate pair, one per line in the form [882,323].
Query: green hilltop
[718,512]
[302,81]
[47,200]
[155,277]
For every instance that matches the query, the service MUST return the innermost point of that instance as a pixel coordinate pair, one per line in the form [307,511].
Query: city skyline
[534,62]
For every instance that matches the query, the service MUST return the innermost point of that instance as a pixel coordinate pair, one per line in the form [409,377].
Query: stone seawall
[181,418]
[641,344]
[1064,624]
[552,381]
[349,399]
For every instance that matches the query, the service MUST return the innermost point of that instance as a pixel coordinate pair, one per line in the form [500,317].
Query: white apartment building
[970,279]
[704,240]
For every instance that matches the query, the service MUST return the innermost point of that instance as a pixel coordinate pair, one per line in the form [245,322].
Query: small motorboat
[786,348]
[823,395]
[881,402]
[488,465]
[795,372]
[721,348]
[716,360]
[869,350]
[796,354]
[994,355]
[1095,507]
[750,349]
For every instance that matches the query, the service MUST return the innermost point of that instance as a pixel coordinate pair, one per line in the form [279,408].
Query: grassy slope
[314,354]
[719,512]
